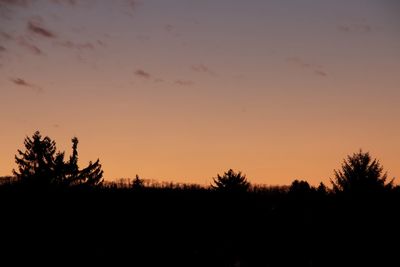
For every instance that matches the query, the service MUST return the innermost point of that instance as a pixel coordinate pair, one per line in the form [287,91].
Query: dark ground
[197,227]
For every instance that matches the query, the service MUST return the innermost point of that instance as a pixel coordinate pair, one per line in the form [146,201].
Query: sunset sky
[180,90]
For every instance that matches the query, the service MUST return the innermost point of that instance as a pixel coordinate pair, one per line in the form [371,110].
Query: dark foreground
[166,227]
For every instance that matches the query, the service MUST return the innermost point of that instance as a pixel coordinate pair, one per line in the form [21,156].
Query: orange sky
[182,90]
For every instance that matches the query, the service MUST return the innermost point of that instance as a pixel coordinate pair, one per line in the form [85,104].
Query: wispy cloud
[36,28]
[6,36]
[183,82]
[355,28]
[29,46]
[314,68]
[169,28]
[320,73]
[65,2]
[203,69]
[77,46]
[23,40]
[14,2]
[130,6]
[132,3]
[23,83]
[143,74]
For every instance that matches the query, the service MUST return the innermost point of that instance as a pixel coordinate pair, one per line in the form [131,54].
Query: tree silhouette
[300,187]
[321,189]
[41,165]
[231,181]
[360,174]
[91,175]
[138,183]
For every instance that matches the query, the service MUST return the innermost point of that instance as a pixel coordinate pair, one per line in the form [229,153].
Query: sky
[180,90]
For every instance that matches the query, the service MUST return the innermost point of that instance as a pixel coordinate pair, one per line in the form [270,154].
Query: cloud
[14,2]
[101,43]
[130,6]
[23,41]
[65,2]
[8,8]
[23,83]
[183,82]
[36,28]
[6,36]
[320,73]
[131,3]
[2,48]
[202,68]
[78,46]
[142,74]
[169,28]
[29,46]
[316,69]
[355,28]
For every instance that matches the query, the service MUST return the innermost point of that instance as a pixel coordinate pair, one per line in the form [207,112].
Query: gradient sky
[180,90]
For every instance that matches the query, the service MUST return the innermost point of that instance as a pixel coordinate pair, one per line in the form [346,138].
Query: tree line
[41,165]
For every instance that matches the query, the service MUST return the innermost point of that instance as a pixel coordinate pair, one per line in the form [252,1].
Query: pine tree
[39,163]
[360,174]
[231,182]
[92,175]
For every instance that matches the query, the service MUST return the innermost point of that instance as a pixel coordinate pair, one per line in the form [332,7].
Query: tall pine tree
[41,165]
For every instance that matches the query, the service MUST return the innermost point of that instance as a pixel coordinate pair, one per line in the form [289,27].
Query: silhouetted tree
[92,175]
[231,181]
[40,164]
[321,189]
[138,183]
[360,174]
[299,187]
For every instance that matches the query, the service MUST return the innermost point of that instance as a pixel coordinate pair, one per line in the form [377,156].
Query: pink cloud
[316,69]
[183,82]
[143,74]
[355,28]
[23,83]
[78,46]
[29,46]
[202,68]
[38,29]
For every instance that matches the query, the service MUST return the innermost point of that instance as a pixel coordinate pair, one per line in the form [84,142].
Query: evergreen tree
[41,165]
[360,174]
[92,175]
[231,182]
[37,165]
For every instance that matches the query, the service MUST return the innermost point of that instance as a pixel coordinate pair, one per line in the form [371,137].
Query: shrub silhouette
[41,165]
[360,174]
[231,181]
